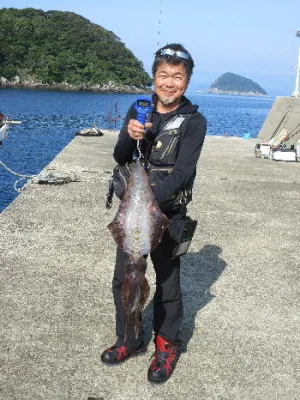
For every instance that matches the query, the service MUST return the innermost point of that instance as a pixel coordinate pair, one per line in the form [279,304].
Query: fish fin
[117,233]
[159,228]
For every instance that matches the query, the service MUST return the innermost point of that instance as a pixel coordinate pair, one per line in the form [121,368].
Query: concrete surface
[240,282]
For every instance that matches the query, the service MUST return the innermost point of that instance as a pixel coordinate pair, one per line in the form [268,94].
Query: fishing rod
[159,23]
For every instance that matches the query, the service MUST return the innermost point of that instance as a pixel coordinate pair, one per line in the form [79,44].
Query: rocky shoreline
[109,87]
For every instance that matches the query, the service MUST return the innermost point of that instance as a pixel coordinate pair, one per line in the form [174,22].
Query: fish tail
[130,298]
[134,294]
[136,324]
[127,326]
[144,294]
[131,295]
[125,297]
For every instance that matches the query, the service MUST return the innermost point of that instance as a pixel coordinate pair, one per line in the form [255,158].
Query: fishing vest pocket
[156,175]
[164,150]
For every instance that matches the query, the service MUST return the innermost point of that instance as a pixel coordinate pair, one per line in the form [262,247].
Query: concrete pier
[284,114]
[240,283]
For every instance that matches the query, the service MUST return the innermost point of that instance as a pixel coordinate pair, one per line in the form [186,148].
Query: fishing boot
[119,353]
[164,361]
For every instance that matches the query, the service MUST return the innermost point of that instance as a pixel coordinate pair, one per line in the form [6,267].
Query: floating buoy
[247,136]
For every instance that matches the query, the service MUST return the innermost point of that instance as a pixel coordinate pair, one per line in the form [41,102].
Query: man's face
[170,83]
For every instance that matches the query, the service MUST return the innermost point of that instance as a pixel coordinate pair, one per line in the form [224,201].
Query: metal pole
[296,92]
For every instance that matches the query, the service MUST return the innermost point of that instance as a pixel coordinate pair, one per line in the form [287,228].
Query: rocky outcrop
[234,92]
[230,83]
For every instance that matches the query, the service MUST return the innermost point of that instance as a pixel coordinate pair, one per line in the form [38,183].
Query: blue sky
[254,39]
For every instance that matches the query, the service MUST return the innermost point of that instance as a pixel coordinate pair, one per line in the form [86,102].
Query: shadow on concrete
[199,271]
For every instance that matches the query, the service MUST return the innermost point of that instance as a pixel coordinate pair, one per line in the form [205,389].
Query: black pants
[167,302]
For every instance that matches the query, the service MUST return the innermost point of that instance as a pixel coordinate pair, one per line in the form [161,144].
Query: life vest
[162,157]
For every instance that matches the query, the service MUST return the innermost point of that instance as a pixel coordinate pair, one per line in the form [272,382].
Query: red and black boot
[117,354]
[164,362]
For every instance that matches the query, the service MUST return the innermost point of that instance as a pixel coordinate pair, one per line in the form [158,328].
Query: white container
[284,155]
[298,149]
[265,150]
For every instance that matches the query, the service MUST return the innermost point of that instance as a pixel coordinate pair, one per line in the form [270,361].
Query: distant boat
[93,131]
[3,131]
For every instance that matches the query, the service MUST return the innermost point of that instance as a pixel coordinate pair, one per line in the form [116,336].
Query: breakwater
[239,282]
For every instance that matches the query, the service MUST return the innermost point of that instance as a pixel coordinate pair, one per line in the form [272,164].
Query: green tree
[55,47]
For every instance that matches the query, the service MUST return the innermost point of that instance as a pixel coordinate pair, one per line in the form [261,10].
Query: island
[65,51]
[230,83]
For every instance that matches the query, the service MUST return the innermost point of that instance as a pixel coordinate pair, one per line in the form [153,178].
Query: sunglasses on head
[174,53]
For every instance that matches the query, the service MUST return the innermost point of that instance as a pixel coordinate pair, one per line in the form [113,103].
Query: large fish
[137,229]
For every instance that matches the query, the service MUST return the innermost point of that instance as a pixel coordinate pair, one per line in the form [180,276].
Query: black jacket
[190,146]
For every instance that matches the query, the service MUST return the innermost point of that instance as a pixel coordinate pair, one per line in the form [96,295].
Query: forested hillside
[63,47]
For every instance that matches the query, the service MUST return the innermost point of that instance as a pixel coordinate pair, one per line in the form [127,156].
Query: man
[3,127]
[171,145]
[2,118]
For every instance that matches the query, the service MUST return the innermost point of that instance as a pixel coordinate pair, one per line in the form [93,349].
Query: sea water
[50,120]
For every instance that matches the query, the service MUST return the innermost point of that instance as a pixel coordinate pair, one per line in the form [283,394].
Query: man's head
[174,54]
[172,70]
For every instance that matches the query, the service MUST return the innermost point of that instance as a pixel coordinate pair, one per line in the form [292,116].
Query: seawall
[284,114]
[240,283]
